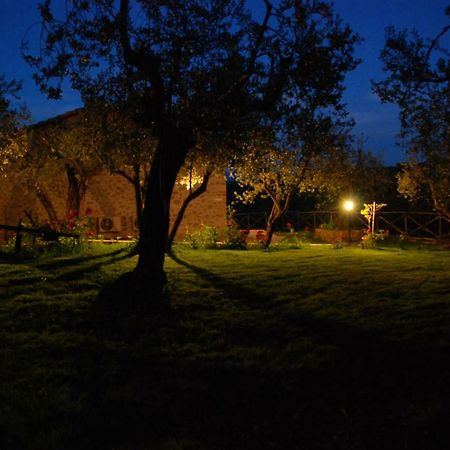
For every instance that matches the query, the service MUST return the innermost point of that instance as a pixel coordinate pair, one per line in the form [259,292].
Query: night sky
[378,123]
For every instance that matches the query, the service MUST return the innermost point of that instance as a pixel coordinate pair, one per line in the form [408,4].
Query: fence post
[405,223]
[18,243]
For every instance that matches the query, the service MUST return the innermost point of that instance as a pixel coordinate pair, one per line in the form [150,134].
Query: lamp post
[348,206]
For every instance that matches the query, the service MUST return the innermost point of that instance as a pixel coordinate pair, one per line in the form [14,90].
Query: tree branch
[435,41]
[145,62]
[123,174]
[253,55]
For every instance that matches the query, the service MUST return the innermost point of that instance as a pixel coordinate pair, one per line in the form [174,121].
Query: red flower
[288,225]
[72,214]
[88,211]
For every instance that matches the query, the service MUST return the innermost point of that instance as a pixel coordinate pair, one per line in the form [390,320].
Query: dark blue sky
[378,123]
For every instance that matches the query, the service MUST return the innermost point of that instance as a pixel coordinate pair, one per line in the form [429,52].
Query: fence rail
[408,223]
[46,233]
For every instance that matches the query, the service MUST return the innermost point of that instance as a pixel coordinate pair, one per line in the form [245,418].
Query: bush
[235,239]
[290,240]
[204,237]
[369,240]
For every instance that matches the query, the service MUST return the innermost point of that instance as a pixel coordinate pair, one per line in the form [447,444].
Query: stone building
[111,199]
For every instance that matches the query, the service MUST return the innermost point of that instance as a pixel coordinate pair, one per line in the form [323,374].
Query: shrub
[204,237]
[235,239]
[291,240]
[369,240]
[330,225]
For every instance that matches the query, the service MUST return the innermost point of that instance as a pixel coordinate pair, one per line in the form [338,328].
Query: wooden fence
[46,234]
[408,223]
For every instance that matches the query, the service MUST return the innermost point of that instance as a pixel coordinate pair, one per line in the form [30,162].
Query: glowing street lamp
[349,205]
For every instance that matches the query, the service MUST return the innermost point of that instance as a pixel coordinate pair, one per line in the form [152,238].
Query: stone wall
[112,197]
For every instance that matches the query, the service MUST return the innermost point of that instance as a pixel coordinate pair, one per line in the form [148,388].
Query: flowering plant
[83,226]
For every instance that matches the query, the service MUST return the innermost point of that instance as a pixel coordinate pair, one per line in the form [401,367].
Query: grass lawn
[315,348]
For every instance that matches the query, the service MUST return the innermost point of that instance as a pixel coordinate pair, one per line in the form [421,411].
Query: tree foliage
[418,82]
[365,176]
[12,136]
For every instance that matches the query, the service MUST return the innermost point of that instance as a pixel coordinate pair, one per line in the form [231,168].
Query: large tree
[190,68]
[418,81]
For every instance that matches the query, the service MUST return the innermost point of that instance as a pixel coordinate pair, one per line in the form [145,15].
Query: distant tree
[190,68]
[35,167]
[58,146]
[366,176]
[418,82]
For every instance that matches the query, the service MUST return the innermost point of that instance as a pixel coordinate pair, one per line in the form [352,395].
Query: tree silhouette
[190,68]
[418,82]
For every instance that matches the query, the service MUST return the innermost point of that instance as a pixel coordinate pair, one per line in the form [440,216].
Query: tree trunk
[149,276]
[73,190]
[439,205]
[48,206]
[279,207]
[275,214]
[193,194]
[138,193]
[76,191]
[135,181]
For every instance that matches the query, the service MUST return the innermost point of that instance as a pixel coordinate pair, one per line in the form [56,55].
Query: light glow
[190,180]
[349,205]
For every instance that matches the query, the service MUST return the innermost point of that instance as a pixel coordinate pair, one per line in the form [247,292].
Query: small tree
[281,174]
[369,212]
[74,143]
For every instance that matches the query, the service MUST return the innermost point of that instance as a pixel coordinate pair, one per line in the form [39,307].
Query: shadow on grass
[373,387]
[353,340]
[79,273]
[231,290]
[60,263]
[71,275]
[238,379]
